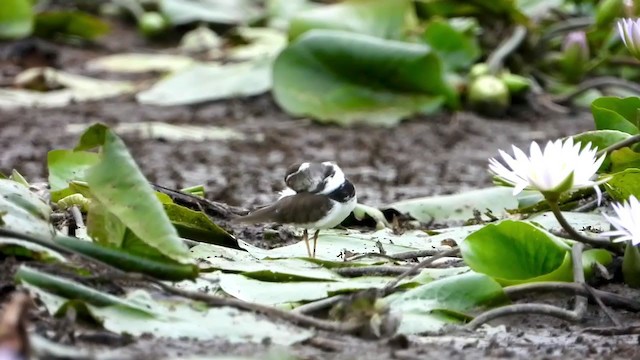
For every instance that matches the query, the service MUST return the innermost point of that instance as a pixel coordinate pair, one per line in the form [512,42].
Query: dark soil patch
[423,156]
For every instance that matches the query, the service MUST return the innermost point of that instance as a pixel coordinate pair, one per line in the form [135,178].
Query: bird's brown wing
[302,208]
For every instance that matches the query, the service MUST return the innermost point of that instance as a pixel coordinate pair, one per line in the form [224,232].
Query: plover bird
[318,196]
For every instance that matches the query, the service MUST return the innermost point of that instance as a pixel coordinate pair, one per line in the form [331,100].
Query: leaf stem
[575,235]
[619,145]
[596,83]
[392,284]
[611,299]
[498,56]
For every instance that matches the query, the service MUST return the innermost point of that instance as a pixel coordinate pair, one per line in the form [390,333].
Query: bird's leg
[315,242]
[305,237]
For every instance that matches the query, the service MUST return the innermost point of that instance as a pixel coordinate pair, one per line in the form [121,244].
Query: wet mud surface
[423,156]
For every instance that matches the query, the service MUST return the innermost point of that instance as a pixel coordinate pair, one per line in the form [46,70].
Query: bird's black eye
[329,171]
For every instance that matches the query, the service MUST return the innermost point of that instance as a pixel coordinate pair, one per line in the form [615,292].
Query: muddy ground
[423,156]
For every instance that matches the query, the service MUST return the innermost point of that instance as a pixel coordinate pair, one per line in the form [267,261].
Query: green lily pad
[346,78]
[515,252]
[429,307]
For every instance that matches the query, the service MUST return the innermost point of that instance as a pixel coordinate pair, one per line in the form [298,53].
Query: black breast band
[344,193]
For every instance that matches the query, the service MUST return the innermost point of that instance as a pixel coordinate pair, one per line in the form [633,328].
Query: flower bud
[489,95]
[575,56]
[629,30]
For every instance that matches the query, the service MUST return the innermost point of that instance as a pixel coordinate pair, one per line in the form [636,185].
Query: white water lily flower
[562,166]
[629,30]
[627,222]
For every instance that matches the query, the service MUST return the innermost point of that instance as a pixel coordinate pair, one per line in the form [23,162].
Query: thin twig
[426,262]
[564,27]
[272,312]
[575,235]
[596,83]
[219,209]
[371,255]
[498,56]
[613,331]
[319,305]
[357,271]
[604,307]
[611,299]
[399,256]
[521,309]
[619,145]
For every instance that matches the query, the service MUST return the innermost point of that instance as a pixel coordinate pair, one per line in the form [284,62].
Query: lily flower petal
[561,166]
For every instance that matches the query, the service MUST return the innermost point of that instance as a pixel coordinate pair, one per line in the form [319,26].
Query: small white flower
[627,222]
[629,30]
[562,166]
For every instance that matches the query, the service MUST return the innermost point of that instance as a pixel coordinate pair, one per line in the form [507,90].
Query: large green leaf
[457,49]
[343,77]
[16,19]
[624,184]
[458,207]
[624,158]
[389,19]
[613,113]
[66,166]
[514,252]
[425,307]
[118,184]
[75,24]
